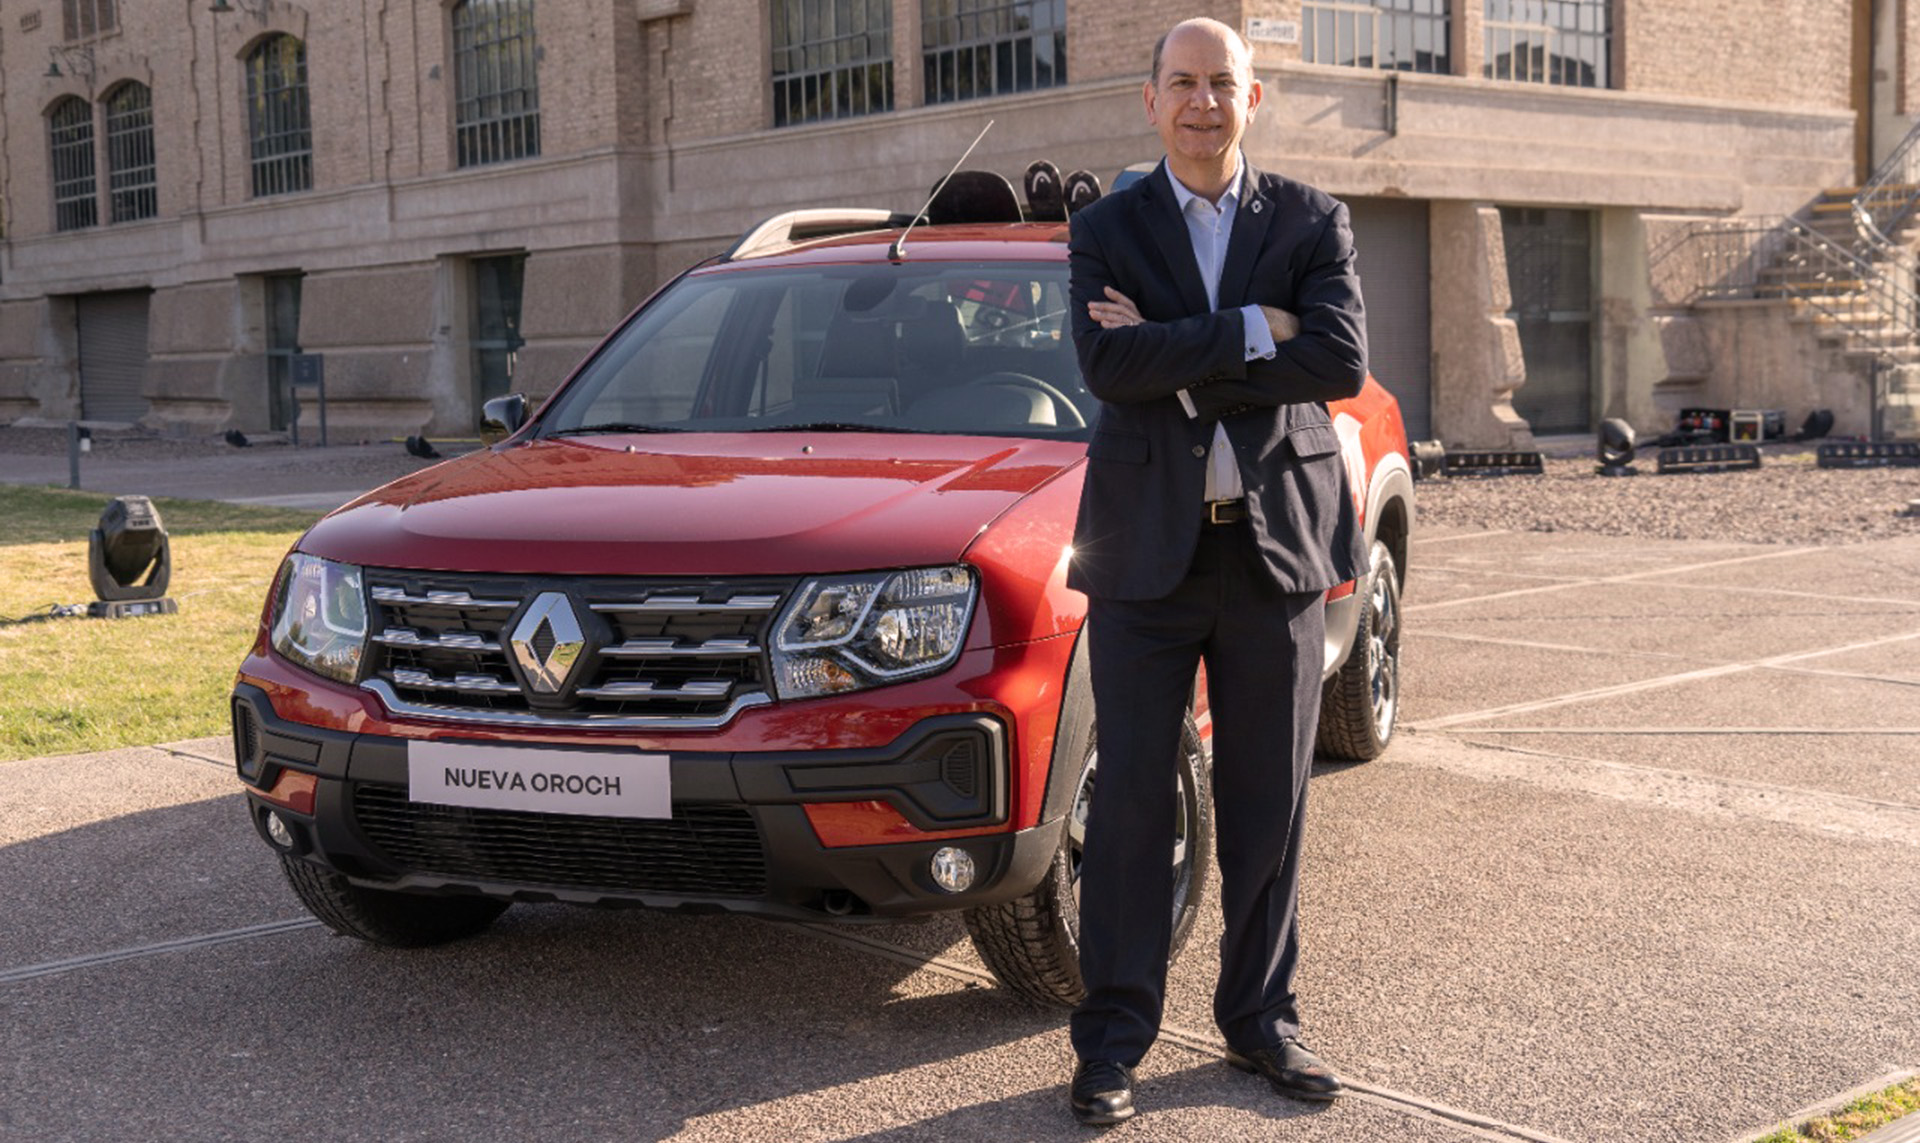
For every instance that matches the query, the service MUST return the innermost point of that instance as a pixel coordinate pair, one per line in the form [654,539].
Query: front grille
[702,851]
[656,650]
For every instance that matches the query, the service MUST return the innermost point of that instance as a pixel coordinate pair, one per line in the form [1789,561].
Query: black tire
[1032,943]
[382,917]
[1360,702]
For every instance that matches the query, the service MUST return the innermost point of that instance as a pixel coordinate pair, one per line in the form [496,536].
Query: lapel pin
[1256,206]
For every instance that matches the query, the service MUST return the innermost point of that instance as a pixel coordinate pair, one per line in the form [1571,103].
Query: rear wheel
[1032,943]
[383,917]
[1360,702]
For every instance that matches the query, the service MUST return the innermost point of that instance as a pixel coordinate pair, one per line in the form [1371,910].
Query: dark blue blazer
[1139,521]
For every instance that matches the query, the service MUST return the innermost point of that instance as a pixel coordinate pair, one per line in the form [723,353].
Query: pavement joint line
[1425,570]
[1712,779]
[1628,577]
[1717,588]
[1687,791]
[159,948]
[1665,656]
[1402,1102]
[1420,542]
[1618,690]
[1727,731]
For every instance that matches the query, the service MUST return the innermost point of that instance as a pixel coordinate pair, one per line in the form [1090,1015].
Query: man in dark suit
[1215,312]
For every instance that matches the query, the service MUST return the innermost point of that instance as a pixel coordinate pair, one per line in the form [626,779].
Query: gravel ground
[1788,500]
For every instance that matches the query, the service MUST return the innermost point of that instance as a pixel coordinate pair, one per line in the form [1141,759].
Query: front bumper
[740,839]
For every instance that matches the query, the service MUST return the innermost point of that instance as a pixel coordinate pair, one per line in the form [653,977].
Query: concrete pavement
[1641,867]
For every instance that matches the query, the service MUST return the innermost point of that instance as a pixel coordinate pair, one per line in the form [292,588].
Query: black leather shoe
[1102,1093]
[1291,1068]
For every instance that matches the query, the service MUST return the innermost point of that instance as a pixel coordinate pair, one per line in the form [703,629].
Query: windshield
[963,348]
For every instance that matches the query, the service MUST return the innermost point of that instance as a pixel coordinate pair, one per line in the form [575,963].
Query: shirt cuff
[1259,335]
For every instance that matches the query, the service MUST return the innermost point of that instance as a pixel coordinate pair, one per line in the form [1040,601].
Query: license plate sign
[603,784]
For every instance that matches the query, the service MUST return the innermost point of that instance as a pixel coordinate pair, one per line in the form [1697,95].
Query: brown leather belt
[1226,511]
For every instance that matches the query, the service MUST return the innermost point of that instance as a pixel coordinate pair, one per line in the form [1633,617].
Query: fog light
[278,831]
[953,869]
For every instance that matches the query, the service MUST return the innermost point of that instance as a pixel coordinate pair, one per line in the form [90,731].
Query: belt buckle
[1214,508]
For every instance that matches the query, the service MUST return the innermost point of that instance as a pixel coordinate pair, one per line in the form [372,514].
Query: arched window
[279,127]
[75,198]
[131,187]
[496,113]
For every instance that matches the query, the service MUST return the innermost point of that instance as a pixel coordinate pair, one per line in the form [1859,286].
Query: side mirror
[501,417]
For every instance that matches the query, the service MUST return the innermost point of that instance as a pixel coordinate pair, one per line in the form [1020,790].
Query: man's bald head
[1237,47]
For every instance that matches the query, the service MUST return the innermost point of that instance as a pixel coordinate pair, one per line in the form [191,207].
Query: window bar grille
[84,19]
[75,202]
[497,108]
[1560,42]
[1400,35]
[132,189]
[279,118]
[971,49]
[831,62]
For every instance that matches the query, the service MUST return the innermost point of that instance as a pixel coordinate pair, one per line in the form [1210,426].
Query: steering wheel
[1062,404]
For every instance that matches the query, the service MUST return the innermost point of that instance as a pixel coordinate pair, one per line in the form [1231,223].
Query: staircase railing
[1866,303]
[1889,196]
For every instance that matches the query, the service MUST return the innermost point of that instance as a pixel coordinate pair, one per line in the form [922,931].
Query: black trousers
[1264,651]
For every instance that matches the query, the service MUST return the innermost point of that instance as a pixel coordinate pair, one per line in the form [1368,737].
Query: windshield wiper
[612,427]
[835,427]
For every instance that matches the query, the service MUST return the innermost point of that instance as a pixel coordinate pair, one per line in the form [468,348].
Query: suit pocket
[1123,447]
[1313,440]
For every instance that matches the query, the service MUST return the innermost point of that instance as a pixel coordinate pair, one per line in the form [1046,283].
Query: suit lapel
[1250,221]
[1161,218]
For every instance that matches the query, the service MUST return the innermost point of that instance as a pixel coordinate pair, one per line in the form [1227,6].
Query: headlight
[320,616]
[847,633]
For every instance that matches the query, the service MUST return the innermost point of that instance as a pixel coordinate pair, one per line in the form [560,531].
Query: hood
[695,504]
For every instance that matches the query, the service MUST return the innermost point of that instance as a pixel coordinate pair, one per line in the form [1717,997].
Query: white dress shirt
[1209,226]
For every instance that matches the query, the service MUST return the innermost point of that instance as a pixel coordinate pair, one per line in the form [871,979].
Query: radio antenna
[898,251]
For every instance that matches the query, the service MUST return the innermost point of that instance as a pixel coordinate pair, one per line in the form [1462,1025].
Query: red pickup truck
[764,611]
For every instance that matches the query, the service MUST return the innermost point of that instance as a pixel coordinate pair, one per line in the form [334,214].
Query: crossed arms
[1126,357]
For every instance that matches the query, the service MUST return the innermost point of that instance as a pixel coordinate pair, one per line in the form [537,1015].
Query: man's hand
[1283,324]
[1119,311]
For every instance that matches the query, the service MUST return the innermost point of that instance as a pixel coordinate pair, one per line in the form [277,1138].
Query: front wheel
[1359,704]
[383,917]
[1032,943]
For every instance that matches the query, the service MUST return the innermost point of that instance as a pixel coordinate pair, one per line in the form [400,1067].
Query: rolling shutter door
[113,354]
[1390,236]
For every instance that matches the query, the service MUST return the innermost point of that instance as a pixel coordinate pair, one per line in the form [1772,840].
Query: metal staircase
[1883,208]
[1845,264]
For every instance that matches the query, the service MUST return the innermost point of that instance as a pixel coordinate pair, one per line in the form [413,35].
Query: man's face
[1203,98]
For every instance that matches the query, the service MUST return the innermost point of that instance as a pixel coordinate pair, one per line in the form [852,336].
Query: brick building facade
[446,198]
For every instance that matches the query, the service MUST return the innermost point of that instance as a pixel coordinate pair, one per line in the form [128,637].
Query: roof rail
[795,226]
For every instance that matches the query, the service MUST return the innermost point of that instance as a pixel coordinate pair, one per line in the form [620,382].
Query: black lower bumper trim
[739,839]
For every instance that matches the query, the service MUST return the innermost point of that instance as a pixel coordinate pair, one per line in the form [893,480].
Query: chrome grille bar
[690,603]
[730,647]
[471,684]
[698,690]
[406,708]
[446,640]
[460,599]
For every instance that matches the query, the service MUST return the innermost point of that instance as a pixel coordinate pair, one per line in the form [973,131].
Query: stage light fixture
[1616,447]
[129,543]
[1429,459]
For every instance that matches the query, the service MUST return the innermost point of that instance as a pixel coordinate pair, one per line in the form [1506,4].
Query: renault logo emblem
[548,641]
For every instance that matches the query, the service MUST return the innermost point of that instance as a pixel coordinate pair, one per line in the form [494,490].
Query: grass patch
[1862,1116]
[94,684]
